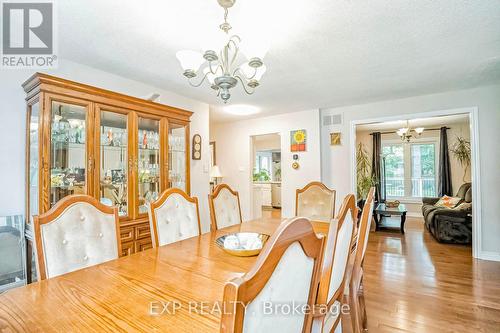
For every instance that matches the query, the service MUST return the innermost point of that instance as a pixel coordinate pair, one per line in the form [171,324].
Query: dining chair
[225,208]
[334,268]
[286,272]
[77,232]
[173,217]
[356,288]
[316,202]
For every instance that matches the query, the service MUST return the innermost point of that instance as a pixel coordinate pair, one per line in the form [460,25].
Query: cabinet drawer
[143,244]
[127,248]
[127,234]
[142,231]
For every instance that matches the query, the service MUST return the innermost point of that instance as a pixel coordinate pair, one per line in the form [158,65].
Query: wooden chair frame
[161,200]
[356,295]
[241,291]
[213,196]
[58,209]
[311,184]
[348,205]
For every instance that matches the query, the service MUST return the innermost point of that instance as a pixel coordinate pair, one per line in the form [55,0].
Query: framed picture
[298,140]
[335,139]
[196,147]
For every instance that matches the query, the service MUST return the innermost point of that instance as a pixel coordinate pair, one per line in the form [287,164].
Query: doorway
[266,176]
[412,166]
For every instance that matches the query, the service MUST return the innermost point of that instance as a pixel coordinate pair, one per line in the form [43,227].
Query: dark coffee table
[383,213]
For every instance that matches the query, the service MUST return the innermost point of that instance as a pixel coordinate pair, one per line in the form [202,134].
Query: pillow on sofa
[448,202]
[464,206]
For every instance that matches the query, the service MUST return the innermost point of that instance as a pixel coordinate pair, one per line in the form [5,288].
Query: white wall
[486,99]
[269,142]
[234,155]
[13,124]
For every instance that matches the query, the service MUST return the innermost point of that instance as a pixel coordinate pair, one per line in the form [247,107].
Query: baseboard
[488,255]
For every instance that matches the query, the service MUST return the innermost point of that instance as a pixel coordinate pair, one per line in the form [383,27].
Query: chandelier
[405,132]
[221,70]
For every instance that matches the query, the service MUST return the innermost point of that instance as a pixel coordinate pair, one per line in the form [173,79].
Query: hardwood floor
[271,213]
[415,284]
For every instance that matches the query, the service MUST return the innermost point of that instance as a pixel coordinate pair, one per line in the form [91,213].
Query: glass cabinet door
[68,155]
[177,170]
[114,159]
[148,162]
[33,163]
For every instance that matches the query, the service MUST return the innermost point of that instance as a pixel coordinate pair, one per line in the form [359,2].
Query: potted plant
[262,176]
[277,174]
[363,174]
[461,151]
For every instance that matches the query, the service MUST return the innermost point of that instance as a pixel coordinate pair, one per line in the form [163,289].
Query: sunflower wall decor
[298,140]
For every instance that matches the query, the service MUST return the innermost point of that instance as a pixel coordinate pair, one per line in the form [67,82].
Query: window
[423,170]
[263,162]
[394,170]
[410,169]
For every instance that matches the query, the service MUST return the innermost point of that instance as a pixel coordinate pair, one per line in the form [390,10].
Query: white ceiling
[432,122]
[323,53]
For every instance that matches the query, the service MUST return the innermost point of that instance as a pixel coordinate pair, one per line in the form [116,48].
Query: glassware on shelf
[177,156]
[67,150]
[114,161]
[148,162]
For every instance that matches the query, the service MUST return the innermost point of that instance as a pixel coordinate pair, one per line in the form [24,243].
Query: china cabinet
[122,150]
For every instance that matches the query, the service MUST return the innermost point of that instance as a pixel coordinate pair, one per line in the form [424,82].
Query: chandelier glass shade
[222,67]
[405,132]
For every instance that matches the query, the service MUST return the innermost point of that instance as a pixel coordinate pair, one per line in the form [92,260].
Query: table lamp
[215,174]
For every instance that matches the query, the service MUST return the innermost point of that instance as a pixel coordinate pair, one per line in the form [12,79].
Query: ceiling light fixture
[241,110]
[405,132]
[221,71]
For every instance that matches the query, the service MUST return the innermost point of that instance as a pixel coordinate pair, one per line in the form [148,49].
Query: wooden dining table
[172,288]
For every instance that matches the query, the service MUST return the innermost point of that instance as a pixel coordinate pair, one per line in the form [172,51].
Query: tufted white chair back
[286,272]
[355,290]
[335,265]
[316,202]
[283,289]
[77,232]
[224,207]
[174,217]
[365,225]
[341,255]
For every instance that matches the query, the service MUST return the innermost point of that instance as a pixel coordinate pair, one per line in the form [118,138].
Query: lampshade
[215,172]
[403,130]
[260,71]
[249,71]
[419,130]
[190,60]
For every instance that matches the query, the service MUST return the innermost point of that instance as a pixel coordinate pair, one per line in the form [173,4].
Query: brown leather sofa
[449,225]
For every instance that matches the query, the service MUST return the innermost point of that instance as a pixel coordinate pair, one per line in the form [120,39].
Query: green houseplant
[277,173]
[363,172]
[462,153]
[262,176]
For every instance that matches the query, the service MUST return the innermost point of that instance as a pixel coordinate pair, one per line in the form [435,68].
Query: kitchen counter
[267,194]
